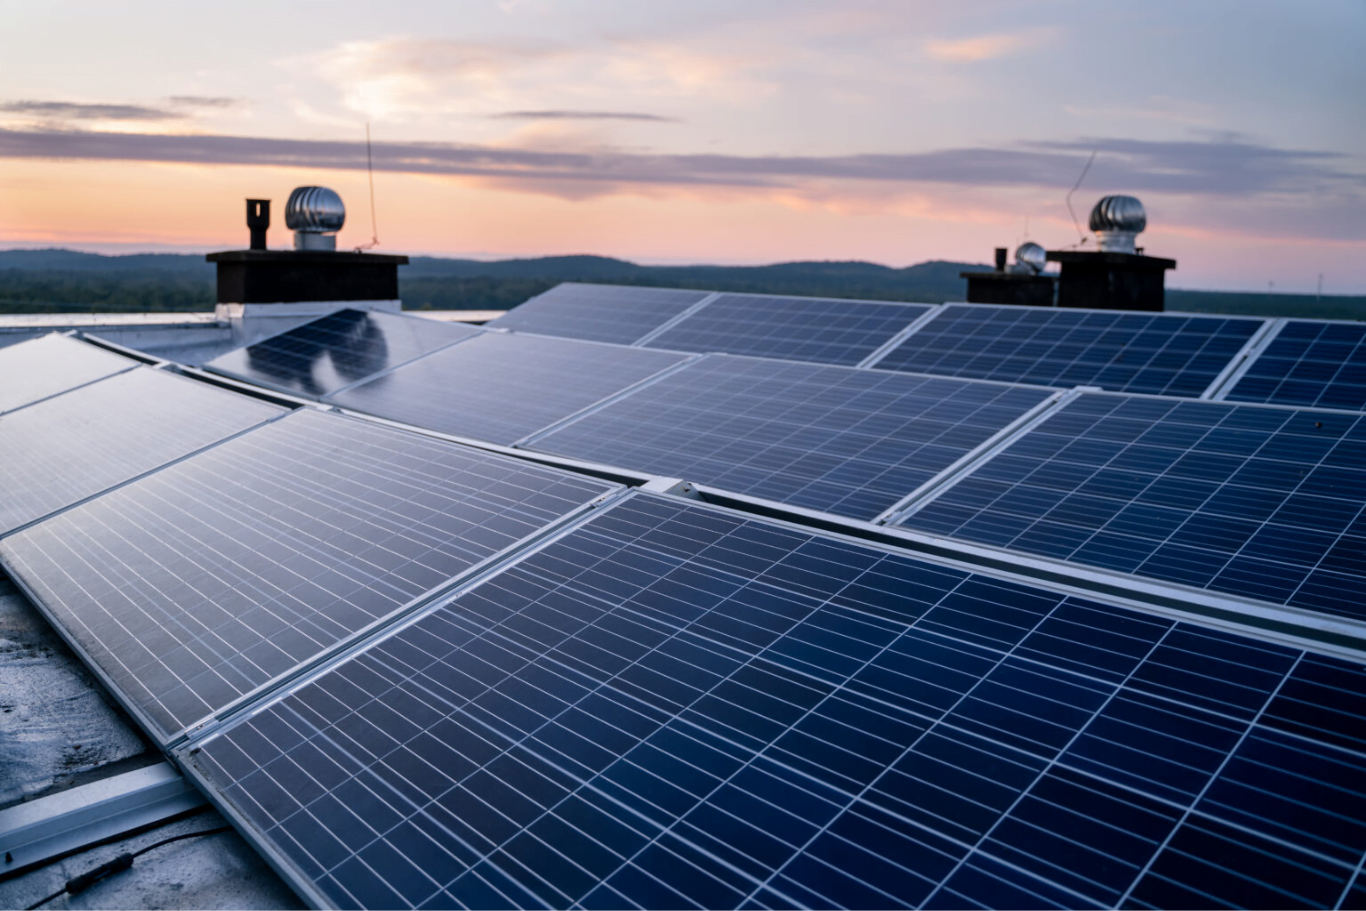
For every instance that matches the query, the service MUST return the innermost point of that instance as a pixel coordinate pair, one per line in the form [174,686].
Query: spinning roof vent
[315,215]
[1117,220]
[1030,258]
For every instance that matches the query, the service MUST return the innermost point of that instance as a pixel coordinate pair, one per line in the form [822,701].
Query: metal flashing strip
[1325,634]
[249,703]
[1241,361]
[242,386]
[132,353]
[49,828]
[392,367]
[669,324]
[969,462]
[870,362]
[603,403]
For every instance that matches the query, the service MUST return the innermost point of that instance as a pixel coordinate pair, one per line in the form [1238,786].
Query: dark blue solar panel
[337,350]
[845,441]
[675,706]
[822,330]
[1309,363]
[599,313]
[197,584]
[502,387]
[1266,503]
[42,367]
[1162,354]
[74,445]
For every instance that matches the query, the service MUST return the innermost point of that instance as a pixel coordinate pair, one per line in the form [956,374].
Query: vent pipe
[258,220]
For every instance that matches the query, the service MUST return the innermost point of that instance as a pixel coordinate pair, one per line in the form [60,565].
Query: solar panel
[501,387]
[1157,353]
[849,442]
[1311,363]
[677,706]
[42,367]
[337,350]
[73,446]
[206,580]
[1261,502]
[599,313]
[821,330]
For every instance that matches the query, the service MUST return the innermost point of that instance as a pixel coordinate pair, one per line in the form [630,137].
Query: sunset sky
[700,132]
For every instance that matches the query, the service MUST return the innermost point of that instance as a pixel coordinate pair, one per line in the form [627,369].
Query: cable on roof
[120,863]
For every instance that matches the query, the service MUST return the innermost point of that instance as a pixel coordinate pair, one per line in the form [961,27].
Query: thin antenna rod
[370,169]
[1075,223]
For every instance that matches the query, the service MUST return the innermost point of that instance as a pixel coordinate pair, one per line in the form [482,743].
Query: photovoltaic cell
[1265,503]
[74,445]
[849,442]
[1317,364]
[42,367]
[599,313]
[675,706]
[821,330]
[1157,353]
[501,387]
[201,582]
[337,350]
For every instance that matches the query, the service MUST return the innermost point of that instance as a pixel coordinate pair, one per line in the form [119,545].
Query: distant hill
[65,280]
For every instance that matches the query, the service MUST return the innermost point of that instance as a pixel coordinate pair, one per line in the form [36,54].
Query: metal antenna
[1075,223]
[370,170]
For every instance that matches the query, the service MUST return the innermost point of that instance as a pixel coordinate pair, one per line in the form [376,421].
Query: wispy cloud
[203,101]
[67,110]
[581,115]
[986,47]
[1220,166]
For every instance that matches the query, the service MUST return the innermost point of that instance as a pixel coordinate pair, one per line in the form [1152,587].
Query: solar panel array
[501,387]
[74,445]
[599,313]
[826,331]
[1317,364]
[194,586]
[1157,353]
[1266,503]
[52,364]
[849,442]
[676,706]
[337,350]
[417,674]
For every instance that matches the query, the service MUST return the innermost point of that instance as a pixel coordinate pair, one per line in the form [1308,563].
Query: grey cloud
[202,101]
[581,115]
[65,110]
[1219,166]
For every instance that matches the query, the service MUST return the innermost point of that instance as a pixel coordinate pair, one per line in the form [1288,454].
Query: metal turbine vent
[1117,220]
[315,215]
[1030,257]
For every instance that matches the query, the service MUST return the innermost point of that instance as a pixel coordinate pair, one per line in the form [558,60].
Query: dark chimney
[1000,259]
[258,220]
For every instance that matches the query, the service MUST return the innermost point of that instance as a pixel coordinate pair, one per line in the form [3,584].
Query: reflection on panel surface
[1266,503]
[337,350]
[1157,353]
[1309,363]
[501,387]
[46,366]
[195,585]
[77,444]
[820,330]
[849,442]
[675,706]
[599,313]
